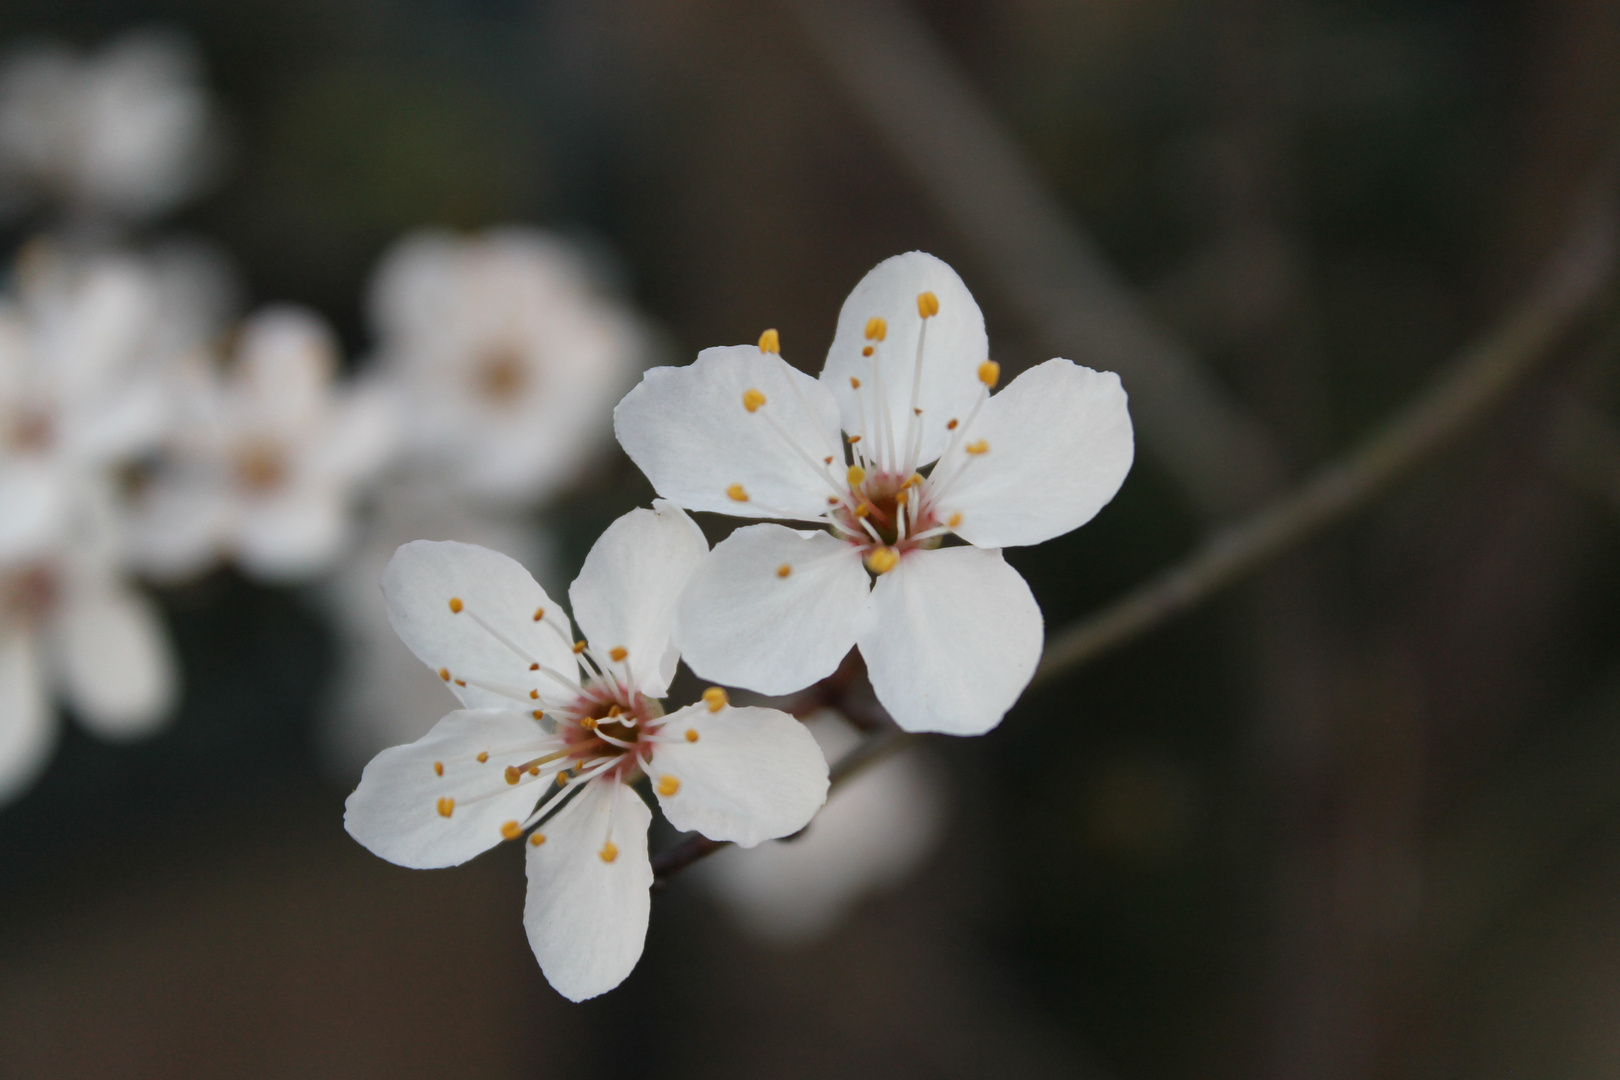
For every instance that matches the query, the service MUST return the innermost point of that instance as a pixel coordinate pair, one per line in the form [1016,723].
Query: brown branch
[1476,382]
[1050,272]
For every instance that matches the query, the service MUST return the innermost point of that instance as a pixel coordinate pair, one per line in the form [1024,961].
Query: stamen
[952,425]
[752,399]
[736,493]
[770,342]
[867,351]
[956,519]
[668,785]
[990,373]
[877,328]
[715,697]
[927,305]
[444,673]
[579,647]
[438,768]
[455,605]
[854,382]
[691,734]
[882,560]
[483,756]
[977,447]
[609,852]
[618,653]
[511,830]
[536,839]
[856,474]
[446,806]
[539,613]
[533,694]
[784,570]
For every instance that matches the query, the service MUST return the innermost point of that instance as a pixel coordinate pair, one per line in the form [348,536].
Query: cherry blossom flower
[126,133]
[267,464]
[950,634]
[507,356]
[796,891]
[554,732]
[70,624]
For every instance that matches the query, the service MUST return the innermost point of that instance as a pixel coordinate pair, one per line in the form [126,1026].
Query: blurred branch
[1477,381]
[1050,270]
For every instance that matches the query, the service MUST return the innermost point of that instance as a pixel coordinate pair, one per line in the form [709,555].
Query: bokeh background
[1358,817]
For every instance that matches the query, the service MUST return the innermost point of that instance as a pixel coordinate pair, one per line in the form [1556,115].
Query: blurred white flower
[381,695]
[553,732]
[266,462]
[69,624]
[125,133]
[509,358]
[875,831]
[950,635]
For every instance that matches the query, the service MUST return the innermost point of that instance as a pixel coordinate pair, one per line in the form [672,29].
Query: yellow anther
[668,785]
[770,342]
[483,756]
[828,460]
[902,497]
[534,770]
[952,425]
[867,351]
[455,605]
[534,667]
[609,852]
[618,653]
[691,735]
[956,519]
[853,439]
[856,475]
[882,560]
[438,768]
[533,694]
[833,500]
[444,673]
[579,647]
[752,399]
[614,710]
[589,723]
[461,682]
[862,510]
[855,384]
[511,831]
[539,613]
[445,806]
[876,329]
[716,699]
[562,778]
[736,493]
[914,480]
[784,570]
[990,373]
[538,715]
[927,304]
[513,774]
[978,446]
[536,839]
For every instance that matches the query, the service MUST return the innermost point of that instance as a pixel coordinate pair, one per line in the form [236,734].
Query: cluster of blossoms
[915,474]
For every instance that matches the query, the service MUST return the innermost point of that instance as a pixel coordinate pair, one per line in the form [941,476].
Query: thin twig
[1048,270]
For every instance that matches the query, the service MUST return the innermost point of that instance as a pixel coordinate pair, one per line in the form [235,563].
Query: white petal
[689,431]
[752,774]
[587,915]
[362,433]
[1058,444]
[951,639]
[294,535]
[419,583]
[33,507]
[743,623]
[955,348]
[28,726]
[117,664]
[624,596]
[396,812]
[179,528]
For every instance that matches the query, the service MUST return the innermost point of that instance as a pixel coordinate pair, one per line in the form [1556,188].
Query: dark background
[1360,817]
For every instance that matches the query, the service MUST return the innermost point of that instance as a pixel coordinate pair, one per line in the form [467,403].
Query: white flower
[267,463]
[126,132]
[381,695]
[70,624]
[508,358]
[794,891]
[537,729]
[950,635]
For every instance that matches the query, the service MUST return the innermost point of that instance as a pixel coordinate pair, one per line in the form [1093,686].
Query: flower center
[501,376]
[30,431]
[28,593]
[261,466]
